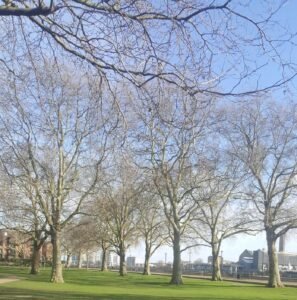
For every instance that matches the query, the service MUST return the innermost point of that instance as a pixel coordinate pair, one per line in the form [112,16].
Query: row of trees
[86,83]
[159,163]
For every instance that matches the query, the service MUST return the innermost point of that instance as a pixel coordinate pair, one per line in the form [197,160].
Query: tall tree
[262,135]
[220,213]
[171,126]
[56,136]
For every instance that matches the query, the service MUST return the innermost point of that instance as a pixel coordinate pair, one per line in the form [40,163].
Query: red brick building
[14,245]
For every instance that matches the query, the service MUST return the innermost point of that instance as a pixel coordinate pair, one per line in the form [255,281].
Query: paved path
[244,280]
[9,279]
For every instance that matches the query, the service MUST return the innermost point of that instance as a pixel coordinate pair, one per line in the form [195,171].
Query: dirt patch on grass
[8,279]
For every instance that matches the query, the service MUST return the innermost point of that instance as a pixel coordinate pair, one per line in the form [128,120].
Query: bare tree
[100,232]
[220,214]
[20,212]
[182,42]
[105,247]
[56,133]
[118,209]
[102,237]
[77,236]
[171,125]
[152,226]
[262,135]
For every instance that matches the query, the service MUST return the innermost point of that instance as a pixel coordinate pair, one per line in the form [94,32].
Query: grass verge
[91,284]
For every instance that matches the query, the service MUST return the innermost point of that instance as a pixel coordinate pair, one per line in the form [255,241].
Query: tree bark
[104,260]
[87,266]
[176,277]
[274,276]
[57,274]
[146,269]
[123,267]
[216,268]
[68,260]
[79,260]
[35,263]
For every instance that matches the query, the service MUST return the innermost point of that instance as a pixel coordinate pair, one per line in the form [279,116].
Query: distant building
[209,260]
[257,261]
[4,245]
[47,252]
[14,245]
[131,261]
[282,243]
[115,262]
[229,268]
[246,261]
[74,260]
[108,259]
[17,245]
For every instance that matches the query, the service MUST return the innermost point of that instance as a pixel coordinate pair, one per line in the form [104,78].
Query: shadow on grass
[131,287]
[94,278]
[98,279]
[8,293]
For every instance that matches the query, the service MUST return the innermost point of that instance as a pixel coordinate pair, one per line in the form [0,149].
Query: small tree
[152,226]
[20,212]
[79,237]
[101,233]
[117,207]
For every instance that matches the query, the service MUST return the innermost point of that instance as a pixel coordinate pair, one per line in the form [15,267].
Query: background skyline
[231,248]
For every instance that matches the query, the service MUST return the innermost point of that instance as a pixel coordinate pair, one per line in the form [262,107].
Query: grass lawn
[84,284]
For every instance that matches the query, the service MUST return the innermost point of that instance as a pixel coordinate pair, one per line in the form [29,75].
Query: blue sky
[233,247]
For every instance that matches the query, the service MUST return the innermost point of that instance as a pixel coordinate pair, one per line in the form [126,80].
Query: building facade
[14,245]
[257,261]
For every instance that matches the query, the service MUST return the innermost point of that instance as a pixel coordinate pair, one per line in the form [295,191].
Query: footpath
[8,279]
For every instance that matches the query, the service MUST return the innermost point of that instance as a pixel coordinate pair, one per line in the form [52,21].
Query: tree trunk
[216,264]
[274,276]
[176,277]
[146,269]
[104,260]
[35,263]
[87,266]
[68,260]
[57,275]
[79,260]
[123,267]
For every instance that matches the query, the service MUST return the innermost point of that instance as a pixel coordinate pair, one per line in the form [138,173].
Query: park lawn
[91,284]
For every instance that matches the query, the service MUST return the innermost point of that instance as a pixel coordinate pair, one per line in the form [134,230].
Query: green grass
[84,284]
